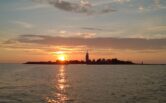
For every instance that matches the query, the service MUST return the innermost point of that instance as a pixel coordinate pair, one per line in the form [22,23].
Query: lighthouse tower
[87,57]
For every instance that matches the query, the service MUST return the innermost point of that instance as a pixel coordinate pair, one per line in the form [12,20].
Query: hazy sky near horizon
[40,29]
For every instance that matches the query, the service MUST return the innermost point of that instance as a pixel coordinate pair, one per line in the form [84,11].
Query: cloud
[121,1]
[86,35]
[23,24]
[92,29]
[160,4]
[83,6]
[152,5]
[64,33]
[97,42]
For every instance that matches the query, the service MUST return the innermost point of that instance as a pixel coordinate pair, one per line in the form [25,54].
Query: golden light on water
[61,85]
[62,81]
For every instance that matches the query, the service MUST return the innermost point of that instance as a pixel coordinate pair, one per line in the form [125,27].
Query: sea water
[21,83]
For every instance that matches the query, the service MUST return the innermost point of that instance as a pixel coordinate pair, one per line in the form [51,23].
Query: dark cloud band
[98,42]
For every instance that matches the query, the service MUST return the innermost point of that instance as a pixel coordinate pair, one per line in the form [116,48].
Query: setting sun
[61,57]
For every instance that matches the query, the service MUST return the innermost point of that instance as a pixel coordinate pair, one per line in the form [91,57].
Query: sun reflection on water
[61,85]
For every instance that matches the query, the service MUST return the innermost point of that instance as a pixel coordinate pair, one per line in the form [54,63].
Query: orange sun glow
[61,58]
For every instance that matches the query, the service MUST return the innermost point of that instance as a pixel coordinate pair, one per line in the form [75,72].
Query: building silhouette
[87,60]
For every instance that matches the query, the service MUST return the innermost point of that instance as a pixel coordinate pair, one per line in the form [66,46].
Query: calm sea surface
[20,83]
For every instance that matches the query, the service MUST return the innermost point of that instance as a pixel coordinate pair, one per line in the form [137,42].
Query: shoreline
[87,64]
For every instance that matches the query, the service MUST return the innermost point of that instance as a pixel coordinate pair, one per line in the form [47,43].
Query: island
[88,61]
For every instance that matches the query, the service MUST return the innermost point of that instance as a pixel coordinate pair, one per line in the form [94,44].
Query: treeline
[109,61]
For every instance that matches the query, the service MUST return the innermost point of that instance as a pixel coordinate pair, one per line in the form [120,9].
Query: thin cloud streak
[24,24]
[92,29]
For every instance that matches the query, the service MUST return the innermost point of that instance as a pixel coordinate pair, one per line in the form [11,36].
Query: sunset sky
[41,30]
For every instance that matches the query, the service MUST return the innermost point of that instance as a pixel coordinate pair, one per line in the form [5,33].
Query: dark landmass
[89,62]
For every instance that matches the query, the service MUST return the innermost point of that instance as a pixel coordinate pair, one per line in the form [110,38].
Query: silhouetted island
[88,61]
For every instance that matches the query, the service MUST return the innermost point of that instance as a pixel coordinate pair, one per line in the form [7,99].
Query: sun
[61,57]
